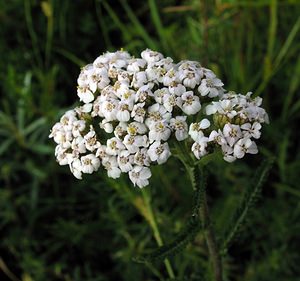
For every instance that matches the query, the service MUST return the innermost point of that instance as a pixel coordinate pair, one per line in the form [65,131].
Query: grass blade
[34,125]
[158,25]
[139,27]
[287,43]
[117,22]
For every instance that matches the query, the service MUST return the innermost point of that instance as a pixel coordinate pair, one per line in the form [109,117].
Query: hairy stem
[198,179]
[211,241]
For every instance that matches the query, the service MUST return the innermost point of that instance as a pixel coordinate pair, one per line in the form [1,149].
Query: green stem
[211,240]
[156,233]
[198,180]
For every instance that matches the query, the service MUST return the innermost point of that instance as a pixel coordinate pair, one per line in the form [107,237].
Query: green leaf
[187,234]
[34,125]
[192,227]
[42,149]
[250,198]
[5,145]
[70,56]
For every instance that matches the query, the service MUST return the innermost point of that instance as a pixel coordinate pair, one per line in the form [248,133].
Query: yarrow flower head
[134,109]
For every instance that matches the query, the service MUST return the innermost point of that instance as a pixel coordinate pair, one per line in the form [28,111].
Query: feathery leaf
[250,198]
[186,235]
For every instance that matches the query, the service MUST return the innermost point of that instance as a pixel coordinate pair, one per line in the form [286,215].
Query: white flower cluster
[134,106]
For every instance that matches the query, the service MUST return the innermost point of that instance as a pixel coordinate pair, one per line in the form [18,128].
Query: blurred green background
[55,227]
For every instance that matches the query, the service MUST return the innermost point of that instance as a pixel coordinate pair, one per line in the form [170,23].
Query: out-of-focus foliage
[54,227]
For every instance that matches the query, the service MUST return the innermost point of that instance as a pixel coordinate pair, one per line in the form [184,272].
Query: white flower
[160,94]
[139,79]
[118,59]
[199,148]
[157,112]
[141,157]
[120,130]
[139,176]
[114,146]
[210,87]
[251,130]
[138,112]
[125,161]
[123,112]
[112,72]
[79,145]
[151,56]
[190,78]
[91,141]
[83,75]
[101,63]
[138,103]
[133,143]
[189,103]
[58,127]
[121,90]
[136,64]
[180,126]
[124,77]
[208,73]
[97,79]
[170,76]
[63,138]
[135,128]
[212,108]
[110,92]
[85,108]
[106,126]
[89,164]
[243,146]
[218,138]
[159,131]
[112,167]
[187,65]
[62,157]
[67,120]
[85,94]
[163,65]
[125,94]
[159,152]
[228,153]
[76,168]
[96,107]
[143,93]
[101,152]
[109,109]
[176,88]
[153,74]
[169,102]
[225,107]
[196,129]
[256,113]
[232,133]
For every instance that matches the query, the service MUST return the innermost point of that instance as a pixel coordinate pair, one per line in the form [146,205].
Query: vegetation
[55,227]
